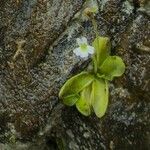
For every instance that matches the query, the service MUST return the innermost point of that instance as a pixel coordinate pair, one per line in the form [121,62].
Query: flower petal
[90,49]
[84,40]
[83,54]
[81,40]
[77,51]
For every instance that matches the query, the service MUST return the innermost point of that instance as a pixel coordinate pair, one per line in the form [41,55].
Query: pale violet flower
[84,49]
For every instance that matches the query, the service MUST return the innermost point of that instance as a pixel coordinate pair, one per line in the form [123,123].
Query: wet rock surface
[36,43]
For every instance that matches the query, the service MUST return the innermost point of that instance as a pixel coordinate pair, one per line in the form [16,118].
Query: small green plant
[89,90]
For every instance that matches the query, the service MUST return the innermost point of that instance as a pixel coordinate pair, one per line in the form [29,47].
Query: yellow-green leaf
[84,103]
[102,46]
[70,100]
[99,97]
[112,67]
[74,85]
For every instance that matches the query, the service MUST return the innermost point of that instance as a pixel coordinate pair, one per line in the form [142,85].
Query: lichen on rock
[31,117]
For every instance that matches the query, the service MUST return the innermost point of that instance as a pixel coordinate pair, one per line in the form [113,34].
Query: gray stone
[37,39]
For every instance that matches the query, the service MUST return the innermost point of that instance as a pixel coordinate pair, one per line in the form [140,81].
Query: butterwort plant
[89,90]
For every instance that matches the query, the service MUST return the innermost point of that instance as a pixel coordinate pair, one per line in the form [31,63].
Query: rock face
[36,43]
